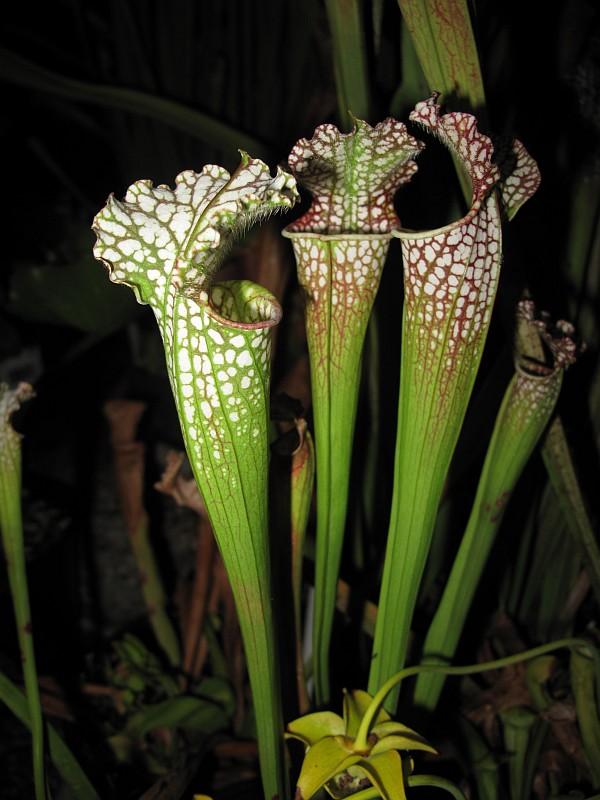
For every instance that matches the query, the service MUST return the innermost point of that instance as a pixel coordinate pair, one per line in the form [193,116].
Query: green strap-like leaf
[450,278]
[62,758]
[349,59]
[326,759]
[167,245]
[385,773]
[443,38]
[356,703]
[523,416]
[22,72]
[394,735]
[312,727]
[559,463]
[340,245]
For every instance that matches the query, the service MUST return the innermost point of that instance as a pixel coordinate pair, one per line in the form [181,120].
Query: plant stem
[62,758]
[349,59]
[471,669]
[11,525]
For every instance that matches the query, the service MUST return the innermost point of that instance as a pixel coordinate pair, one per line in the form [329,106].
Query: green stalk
[62,758]
[340,246]
[167,244]
[11,527]
[450,278]
[523,416]
[523,734]
[301,489]
[378,700]
[349,59]
[483,763]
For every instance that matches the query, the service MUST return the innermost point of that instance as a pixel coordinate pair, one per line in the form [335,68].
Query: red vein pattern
[450,280]
[340,245]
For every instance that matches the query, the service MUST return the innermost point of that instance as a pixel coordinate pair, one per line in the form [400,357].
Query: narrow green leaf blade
[385,773]
[312,727]
[21,72]
[324,760]
[443,37]
[559,464]
[62,758]
[356,703]
[11,530]
[349,59]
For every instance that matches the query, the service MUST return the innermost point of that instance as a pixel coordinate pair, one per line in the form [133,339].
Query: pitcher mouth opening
[336,237]
[243,305]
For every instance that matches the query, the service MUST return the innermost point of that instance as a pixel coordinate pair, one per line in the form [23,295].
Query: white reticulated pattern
[160,236]
[10,402]
[166,245]
[340,278]
[353,177]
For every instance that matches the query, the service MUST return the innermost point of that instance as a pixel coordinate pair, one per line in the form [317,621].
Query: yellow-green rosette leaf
[312,727]
[340,245]
[450,277]
[385,773]
[167,245]
[356,703]
[394,735]
[326,759]
[365,753]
